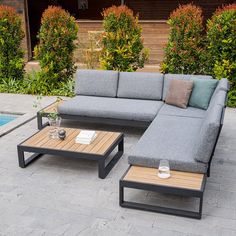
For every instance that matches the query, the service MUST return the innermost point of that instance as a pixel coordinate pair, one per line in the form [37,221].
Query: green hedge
[57,34]
[191,50]
[221,39]
[122,43]
[184,52]
[11,53]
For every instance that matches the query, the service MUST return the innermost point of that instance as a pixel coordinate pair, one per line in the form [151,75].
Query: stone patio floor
[64,196]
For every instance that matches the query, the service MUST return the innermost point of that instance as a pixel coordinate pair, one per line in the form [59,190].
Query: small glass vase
[54,127]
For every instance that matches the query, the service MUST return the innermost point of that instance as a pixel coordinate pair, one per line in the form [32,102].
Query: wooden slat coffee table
[99,150]
[180,183]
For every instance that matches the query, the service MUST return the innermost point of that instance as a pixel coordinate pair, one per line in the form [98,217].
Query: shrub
[185,52]
[221,38]
[11,86]
[122,43]
[33,84]
[55,49]
[65,89]
[11,35]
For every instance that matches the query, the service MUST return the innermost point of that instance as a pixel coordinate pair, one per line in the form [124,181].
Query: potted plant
[54,119]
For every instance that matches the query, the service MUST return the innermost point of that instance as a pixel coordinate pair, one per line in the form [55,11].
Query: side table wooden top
[178,179]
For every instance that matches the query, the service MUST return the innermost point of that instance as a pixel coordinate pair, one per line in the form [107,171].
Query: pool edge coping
[23,119]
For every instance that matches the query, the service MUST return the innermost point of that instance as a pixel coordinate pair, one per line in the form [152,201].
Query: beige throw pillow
[179,92]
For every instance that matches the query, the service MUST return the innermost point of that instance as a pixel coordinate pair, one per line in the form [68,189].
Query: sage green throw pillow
[202,92]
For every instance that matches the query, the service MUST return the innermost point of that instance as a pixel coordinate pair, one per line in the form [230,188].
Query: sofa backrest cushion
[140,85]
[219,98]
[222,85]
[101,83]
[169,77]
[202,92]
[208,134]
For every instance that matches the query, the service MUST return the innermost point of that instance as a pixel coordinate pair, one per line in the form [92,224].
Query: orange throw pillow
[179,92]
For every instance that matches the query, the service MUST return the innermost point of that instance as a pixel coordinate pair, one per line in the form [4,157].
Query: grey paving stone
[63,196]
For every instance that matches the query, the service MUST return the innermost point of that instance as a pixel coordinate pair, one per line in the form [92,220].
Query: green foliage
[122,43]
[221,38]
[55,50]
[33,84]
[11,54]
[232,98]
[64,89]
[11,86]
[185,51]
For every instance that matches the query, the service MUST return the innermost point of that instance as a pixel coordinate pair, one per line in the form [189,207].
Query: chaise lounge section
[186,137]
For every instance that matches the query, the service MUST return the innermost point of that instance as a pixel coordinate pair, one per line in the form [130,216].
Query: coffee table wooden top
[99,146]
[178,179]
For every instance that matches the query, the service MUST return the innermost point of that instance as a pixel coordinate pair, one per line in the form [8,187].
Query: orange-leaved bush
[122,42]
[11,53]
[185,51]
[57,36]
[221,38]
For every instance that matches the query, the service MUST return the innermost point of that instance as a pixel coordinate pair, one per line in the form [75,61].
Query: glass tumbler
[164,169]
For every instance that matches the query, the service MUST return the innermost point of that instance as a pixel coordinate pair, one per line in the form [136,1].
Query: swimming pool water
[5,118]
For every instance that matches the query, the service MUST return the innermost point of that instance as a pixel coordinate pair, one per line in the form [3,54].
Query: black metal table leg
[159,209]
[121,194]
[103,169]
[40,121]
[25,162]
[21,157]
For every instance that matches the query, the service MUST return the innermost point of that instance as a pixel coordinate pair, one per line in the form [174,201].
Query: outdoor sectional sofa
[185,137]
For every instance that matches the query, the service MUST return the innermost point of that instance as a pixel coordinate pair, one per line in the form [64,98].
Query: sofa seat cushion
[171,138]
[96,83]
[115,108]
[140,85]
[176,111]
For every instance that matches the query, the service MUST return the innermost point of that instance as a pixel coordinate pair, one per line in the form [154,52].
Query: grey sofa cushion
[115,108]
[168,77]
[171,138]
[141,85]
[208,134]
[176,111]
[203,90]
[218,98]
[96,83]
[222,85]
